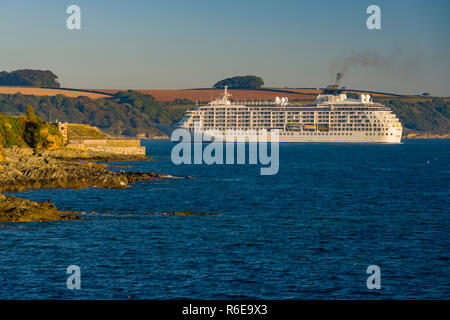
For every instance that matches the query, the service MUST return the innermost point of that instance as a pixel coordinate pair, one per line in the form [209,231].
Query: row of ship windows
[260,123]
[281,116]
[335,123]
[337,118]
[322,134]
[293,109]
[330,133]
[281,119]
[338,122]
[275,117]
[331,129]
[267,123]
[337,114]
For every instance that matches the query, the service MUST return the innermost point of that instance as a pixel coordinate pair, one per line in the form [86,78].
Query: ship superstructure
[333,118]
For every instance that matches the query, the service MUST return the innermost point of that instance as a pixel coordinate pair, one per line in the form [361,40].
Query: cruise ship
[332,118]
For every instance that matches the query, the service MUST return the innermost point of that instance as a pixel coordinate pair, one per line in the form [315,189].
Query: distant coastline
[425,136]
[141,113]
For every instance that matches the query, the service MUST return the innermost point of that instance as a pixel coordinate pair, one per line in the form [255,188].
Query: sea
[315,230]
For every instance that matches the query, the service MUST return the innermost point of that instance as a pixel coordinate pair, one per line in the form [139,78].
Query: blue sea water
[309,232]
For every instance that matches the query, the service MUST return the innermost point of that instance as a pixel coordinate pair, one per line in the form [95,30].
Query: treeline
[126,113]
[29,78]
[241,82]
[429,115]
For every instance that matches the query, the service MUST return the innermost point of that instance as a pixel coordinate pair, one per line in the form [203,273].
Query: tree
[2,158]
[241,82]
[31,116]
[28,77]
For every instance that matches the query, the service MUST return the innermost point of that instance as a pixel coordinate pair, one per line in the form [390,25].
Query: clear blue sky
[186,44]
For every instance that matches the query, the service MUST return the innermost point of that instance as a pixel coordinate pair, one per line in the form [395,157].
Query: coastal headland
[36,154]
[25,168]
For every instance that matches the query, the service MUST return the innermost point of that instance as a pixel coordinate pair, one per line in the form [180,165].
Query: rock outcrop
[184,214]
[24,169]
[426,136]
[13,209]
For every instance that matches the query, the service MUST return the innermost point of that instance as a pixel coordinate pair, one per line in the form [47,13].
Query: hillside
[144,112]
[28,130]
[51,92]
[125,113]
[204,95]
[207,94]
[421,115]
[200,95]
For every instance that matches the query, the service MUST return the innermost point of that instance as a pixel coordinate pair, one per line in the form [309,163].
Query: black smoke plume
[339,76]
[362,59]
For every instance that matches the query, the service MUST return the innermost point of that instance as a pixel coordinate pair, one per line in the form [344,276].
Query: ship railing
[262,103]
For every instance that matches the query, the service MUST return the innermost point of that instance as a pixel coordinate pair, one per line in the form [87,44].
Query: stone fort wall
[97,141]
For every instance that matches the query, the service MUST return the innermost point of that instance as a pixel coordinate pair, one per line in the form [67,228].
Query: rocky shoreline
[425,136]
[14,209]
[23,169]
